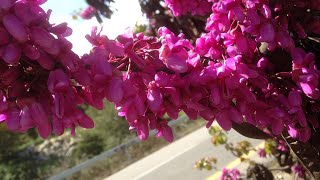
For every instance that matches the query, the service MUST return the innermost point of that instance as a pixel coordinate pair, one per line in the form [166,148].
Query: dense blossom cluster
[230,174]
[247,67]
[88,12]
[259,69]
[195,7]
[250,66]
[262,153]
[299,170]
[37,69]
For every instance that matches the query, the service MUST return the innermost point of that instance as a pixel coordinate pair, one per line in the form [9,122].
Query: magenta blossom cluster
[195,7]
[230,174]
[262,152]
[250,66]
[88,12]
[282,146]
[130,75]
[36,71]
[298,170]
[281,80]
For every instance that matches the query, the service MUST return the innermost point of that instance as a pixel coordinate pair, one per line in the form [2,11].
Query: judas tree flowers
[230,174]
[262,153]
[299,170]
[88,12]
[254,64]
[180,7]
[37,71]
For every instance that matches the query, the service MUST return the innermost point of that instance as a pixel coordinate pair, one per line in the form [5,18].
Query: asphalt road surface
[176,161]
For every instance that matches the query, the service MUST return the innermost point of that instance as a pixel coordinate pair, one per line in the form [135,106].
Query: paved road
[176,161]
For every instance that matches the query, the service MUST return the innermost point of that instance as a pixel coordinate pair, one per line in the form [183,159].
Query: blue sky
[127,14]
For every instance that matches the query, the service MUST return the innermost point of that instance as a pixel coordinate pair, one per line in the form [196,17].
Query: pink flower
[267,33]
[15,27]
[173,51]
[299,170]
[154,97]
[88,12]
[115,91]
[228,75]
[165,131]
[6,4]
[262,153]
[230,174]
[195,7]
[11,54]
[282,146]
[302,134]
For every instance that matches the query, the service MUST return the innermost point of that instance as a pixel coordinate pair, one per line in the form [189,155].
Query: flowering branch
[250,66]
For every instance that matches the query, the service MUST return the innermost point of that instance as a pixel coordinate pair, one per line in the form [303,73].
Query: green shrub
[110,130]
[18,159]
